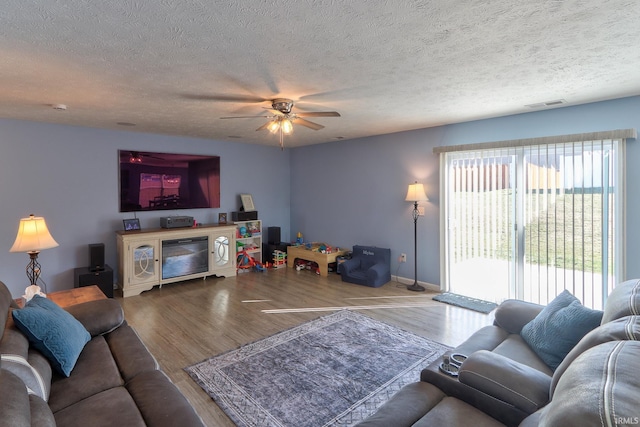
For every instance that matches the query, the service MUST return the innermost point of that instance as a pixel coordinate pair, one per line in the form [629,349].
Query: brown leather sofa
[115,381]
[504,382]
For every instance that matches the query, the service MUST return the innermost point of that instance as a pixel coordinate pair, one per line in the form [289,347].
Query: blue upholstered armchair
[368,266]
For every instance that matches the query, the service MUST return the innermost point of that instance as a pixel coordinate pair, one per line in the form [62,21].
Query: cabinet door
[144,257]
[222,253]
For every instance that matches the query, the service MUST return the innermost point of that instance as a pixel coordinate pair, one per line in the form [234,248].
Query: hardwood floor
[185,323]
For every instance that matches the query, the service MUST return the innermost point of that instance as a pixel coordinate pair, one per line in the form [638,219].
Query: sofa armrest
[524,387]
[349,265]
[513,314]
[377,270]
[98,317]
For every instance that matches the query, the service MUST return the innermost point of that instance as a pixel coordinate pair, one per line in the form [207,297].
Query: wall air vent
[547,104]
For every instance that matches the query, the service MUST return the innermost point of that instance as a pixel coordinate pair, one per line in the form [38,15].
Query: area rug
[332,371]
[466,302]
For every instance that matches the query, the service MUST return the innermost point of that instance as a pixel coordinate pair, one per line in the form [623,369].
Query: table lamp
[33,236]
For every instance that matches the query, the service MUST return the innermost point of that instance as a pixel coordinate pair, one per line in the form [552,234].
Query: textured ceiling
[386,66]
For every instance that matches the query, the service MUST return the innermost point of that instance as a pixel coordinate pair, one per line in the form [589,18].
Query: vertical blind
[529,220]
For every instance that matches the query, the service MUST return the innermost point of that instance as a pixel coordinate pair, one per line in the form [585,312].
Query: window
[527,219]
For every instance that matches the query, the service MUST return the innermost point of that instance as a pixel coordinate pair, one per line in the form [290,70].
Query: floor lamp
[415,194]
[33,236]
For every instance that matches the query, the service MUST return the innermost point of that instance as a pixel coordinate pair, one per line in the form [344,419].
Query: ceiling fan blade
[307,123]
[225,98]
[243,117]
[264,126]
[319,114]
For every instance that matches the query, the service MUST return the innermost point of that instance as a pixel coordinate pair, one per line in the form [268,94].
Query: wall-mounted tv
[163,181]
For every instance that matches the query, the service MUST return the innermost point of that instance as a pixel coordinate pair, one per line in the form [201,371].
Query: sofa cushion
[111,408]
[95,372]
[160,402]
[53,332]
[625,328]
[454,412]
[623,301]
[559,327]
[28,364]
[5,303]
[18,408]
[515,348]
[41,415]
[31,378]
[129,352]
[599,388]
[405,407]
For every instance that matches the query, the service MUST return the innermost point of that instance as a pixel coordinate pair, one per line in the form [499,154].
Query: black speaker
[96,256]
[273,235]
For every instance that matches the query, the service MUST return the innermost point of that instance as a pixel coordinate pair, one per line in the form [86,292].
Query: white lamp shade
[33,235]
[273,126]
[415,193]
[287,126]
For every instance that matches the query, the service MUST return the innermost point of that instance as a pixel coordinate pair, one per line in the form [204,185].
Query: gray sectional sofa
[115,381]
[505,381]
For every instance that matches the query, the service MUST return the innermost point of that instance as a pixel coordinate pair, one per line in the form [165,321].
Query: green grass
[564,231]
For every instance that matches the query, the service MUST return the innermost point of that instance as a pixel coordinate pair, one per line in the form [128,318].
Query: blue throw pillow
[558,328]
[55,333]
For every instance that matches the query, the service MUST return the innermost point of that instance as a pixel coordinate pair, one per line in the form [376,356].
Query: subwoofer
[96,256]
[273,235]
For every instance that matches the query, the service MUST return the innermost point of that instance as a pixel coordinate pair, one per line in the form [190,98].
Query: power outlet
[403,258]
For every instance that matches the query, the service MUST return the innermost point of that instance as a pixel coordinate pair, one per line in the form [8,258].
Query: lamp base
[416,288]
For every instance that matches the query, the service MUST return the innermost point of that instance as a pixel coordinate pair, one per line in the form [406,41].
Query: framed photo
[131,224]
[222,218]
[247,202]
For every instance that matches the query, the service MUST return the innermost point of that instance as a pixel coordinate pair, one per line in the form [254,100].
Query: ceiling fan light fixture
[287,126]
[274,126]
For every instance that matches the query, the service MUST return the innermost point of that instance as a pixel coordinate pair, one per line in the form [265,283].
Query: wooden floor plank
[185,323]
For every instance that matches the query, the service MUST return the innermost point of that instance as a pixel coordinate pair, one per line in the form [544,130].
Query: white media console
[154,257]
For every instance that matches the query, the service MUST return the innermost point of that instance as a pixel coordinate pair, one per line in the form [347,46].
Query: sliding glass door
[527,222]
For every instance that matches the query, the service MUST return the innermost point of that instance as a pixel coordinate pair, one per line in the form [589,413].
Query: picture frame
[222,218]
[247,203]
[131,224]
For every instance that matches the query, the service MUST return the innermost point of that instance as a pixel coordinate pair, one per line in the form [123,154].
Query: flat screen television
[152,181]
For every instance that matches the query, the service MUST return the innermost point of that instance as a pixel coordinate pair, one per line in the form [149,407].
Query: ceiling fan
[282,118]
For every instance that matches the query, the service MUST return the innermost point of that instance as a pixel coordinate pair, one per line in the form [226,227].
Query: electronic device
[131,224]
[151,181]
[244,216]
[96,257]
[273,235]
[176,221]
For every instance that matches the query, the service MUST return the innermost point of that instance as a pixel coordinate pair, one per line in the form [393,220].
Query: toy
[279,259]
[301,264]
[244,261]
[254,230]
